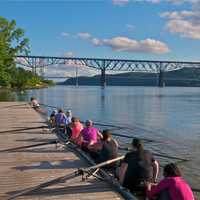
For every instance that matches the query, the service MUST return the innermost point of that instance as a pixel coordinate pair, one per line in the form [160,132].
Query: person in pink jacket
[172,186]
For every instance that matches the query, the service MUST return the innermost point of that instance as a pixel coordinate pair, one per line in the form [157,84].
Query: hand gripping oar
[79,172]
[29,146]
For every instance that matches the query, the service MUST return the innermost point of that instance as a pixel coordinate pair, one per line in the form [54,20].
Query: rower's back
[109,149]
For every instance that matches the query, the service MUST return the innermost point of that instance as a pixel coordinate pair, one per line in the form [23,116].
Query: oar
[48,106]
[195,189]
[23,129]
[78,172]
[111,125]
[29,146]
[160,155]
[132,137]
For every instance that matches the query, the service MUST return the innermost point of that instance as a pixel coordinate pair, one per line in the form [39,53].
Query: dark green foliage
[13,42]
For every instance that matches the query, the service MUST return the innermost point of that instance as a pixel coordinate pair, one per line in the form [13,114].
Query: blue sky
[132,29]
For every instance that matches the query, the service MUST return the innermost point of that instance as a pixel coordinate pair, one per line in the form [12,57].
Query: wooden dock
[29,167]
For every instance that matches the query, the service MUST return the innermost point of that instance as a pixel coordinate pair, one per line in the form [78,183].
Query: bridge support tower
[161,82]
[103,78]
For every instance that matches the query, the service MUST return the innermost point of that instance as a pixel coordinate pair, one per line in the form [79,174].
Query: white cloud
[84,35]
[175,2]
[186,23]
[64,34]
[69,71]
[125,44]
[142,46]
[89,37]
[120,2]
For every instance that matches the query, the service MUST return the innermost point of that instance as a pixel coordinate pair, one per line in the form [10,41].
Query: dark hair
[75,119]
[60,110]
[171,170]
[137,143]
[32,98]
[106,134]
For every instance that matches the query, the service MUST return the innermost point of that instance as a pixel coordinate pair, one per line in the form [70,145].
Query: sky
[126,29]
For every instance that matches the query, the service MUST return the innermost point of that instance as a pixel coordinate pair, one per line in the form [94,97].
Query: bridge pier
[161,82]
[103,78]
[34,70]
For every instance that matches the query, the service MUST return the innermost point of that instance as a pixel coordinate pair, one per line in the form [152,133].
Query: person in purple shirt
[172,186]
[89,134]
[60,118]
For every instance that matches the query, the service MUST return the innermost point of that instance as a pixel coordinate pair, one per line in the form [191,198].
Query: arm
[99,135]
[155,170]
[153,191]
[116,143]
[122,172]
[95,147]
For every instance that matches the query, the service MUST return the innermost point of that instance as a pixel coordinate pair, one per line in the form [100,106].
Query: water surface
[170,116]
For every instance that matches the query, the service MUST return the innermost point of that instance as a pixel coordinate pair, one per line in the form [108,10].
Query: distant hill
[183,77]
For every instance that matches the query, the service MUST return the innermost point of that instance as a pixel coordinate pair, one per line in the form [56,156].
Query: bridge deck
[24,168]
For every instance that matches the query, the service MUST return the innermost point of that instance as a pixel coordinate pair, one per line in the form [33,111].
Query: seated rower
[106,149]
[89,135]
[172,187]
[52,119]
[138,167]
[68,117]
[34,103]
[68,123]
[76,128]
[60,119]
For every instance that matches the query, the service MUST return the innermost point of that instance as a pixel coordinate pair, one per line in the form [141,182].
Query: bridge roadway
[29,167]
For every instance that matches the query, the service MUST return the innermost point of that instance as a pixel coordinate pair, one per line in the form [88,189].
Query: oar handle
[103,163]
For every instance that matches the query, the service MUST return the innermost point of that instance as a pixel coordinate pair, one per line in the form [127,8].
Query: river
[169,115]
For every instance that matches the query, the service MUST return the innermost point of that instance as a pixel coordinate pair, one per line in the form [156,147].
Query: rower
[138,167]
[60,120]
[34,103]
[106,149]
[76,128]
[68,117]
[52,119]
[89,135]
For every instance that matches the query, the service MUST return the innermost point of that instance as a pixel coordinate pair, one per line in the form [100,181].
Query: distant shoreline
[187,77]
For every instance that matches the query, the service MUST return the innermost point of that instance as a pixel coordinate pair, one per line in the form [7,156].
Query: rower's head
[69,113]
[32,98]
[60,110]
[54,112]
[106,135]
[137,144]
[75,119]
[88,123]
[171,170]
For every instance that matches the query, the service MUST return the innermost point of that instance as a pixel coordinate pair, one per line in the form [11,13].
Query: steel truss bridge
[123,65]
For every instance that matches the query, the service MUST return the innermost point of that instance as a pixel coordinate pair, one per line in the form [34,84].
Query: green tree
[12,42]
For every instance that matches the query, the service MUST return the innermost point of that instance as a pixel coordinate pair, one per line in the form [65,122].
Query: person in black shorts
[138,167]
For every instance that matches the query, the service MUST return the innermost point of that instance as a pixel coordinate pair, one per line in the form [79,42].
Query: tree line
[13,42]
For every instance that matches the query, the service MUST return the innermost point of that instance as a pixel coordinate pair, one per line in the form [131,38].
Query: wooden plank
[30,167]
